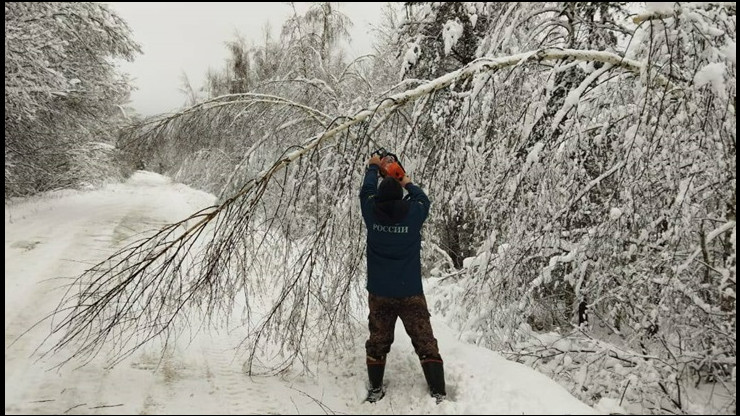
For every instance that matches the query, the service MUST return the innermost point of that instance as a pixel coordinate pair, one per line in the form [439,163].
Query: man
[394,277]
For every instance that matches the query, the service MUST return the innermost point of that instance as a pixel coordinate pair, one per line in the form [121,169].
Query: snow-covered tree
[61,89]
[569,183]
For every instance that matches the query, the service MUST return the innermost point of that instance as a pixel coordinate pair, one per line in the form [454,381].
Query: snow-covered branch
[236,100]
[479,65]
[590,186]
[671,11]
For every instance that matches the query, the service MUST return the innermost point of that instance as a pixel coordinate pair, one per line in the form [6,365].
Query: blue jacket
[393,249]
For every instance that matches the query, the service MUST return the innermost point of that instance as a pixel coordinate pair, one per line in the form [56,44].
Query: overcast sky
[189,38]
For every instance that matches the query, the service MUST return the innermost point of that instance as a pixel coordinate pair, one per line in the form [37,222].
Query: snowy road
[49,239]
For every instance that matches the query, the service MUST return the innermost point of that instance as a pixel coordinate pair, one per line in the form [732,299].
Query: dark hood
[389,190]
[391,212]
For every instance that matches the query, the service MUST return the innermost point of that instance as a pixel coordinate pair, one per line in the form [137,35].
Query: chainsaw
[389,164]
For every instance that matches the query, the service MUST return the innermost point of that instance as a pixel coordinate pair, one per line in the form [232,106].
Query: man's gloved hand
[405,181]
[375,160]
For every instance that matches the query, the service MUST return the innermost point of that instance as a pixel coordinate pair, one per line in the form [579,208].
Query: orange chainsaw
[389,164]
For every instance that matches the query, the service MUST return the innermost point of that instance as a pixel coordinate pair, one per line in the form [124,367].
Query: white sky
[189,38]
[62,235]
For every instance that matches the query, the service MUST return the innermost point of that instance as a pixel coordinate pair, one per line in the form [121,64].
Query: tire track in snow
[60,237]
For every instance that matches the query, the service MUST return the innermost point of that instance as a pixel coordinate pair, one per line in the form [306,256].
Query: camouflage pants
[415,317]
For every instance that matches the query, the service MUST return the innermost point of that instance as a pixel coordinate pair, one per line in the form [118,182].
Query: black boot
[435,374]
[375,371]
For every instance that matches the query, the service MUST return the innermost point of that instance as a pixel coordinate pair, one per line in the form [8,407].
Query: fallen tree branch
[138,293]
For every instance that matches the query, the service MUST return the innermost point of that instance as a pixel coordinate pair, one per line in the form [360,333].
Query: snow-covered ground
[56,237]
